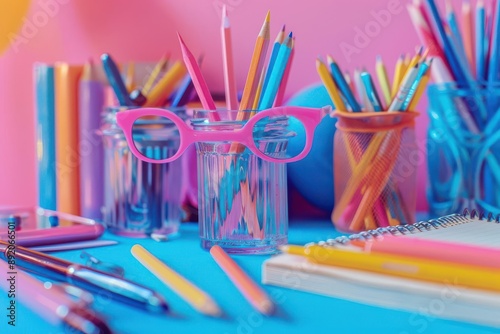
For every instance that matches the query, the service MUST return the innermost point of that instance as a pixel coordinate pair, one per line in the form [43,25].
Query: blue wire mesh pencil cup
[463,148]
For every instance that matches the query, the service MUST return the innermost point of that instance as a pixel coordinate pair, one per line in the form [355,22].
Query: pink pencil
[281,90]
[435,250]
[198,81]
[227,58]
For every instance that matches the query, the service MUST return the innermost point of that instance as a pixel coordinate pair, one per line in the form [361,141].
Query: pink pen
[48,301]
[54,235]
[434,250]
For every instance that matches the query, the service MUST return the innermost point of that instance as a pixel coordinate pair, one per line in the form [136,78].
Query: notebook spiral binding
[442,222]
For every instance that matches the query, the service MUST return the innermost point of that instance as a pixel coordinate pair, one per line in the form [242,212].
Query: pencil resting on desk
[252,292]
[197,298]
[401,266]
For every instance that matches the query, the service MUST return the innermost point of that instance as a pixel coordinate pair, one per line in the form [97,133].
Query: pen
[85,277]
[51,303]
[396,265]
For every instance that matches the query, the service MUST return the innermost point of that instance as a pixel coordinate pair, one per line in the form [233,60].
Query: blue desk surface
[299,312]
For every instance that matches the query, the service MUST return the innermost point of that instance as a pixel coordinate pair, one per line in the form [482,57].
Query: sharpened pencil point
[290,35]
[268,16]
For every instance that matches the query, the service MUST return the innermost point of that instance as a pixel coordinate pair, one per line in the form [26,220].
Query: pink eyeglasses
[149,132]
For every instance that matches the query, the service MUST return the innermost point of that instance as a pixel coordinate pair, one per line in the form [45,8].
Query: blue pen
[371,92]
[480,42]
[276,74]
[115,80]
[343,85]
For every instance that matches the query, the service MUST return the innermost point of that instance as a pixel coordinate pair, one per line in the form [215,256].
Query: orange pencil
[250,290]
[165,85]
[66,79]
[256,65]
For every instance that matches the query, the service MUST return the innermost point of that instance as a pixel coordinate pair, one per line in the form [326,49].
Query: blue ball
[313,175]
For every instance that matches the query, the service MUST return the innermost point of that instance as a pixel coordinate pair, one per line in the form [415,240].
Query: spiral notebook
[463,304]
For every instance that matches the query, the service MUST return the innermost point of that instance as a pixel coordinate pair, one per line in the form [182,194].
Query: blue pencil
[494,59]
[276,74]
[371,92]
[343,85]
[272,58]
[480,42]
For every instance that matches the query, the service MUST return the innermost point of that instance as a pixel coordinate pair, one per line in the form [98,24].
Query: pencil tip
[283,28]
[268,16]
[290,35]
[379,58]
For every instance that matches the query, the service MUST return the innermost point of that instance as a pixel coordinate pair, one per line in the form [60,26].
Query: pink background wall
[143,30]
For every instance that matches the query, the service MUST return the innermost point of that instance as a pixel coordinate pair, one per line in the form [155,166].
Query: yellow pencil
[159,67]
[166,85]
[383,80]
[402,266]
[185,289]
[130,81]
[398,76]
[330,86]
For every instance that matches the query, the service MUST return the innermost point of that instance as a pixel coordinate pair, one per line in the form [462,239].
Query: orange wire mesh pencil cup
[375,162]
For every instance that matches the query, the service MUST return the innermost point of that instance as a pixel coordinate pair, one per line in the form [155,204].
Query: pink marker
[54,235]
[434,250]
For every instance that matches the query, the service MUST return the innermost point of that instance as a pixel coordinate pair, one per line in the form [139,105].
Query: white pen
[50,303]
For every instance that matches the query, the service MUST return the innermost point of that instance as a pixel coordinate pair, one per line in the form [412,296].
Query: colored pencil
[383,80]
[250,290]
[165,85]
[269,95]
[274,53]
[197,298]
[330,85]
[282,87]
[198,80]
[339,79]
[228,63]
[160,66]
[398,76]
[468,35]
[256,65]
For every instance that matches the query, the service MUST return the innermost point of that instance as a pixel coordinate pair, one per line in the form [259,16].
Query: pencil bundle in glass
[374,141]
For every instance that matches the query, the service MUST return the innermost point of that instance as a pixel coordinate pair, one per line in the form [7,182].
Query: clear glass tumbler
[141,198]
[242,199]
